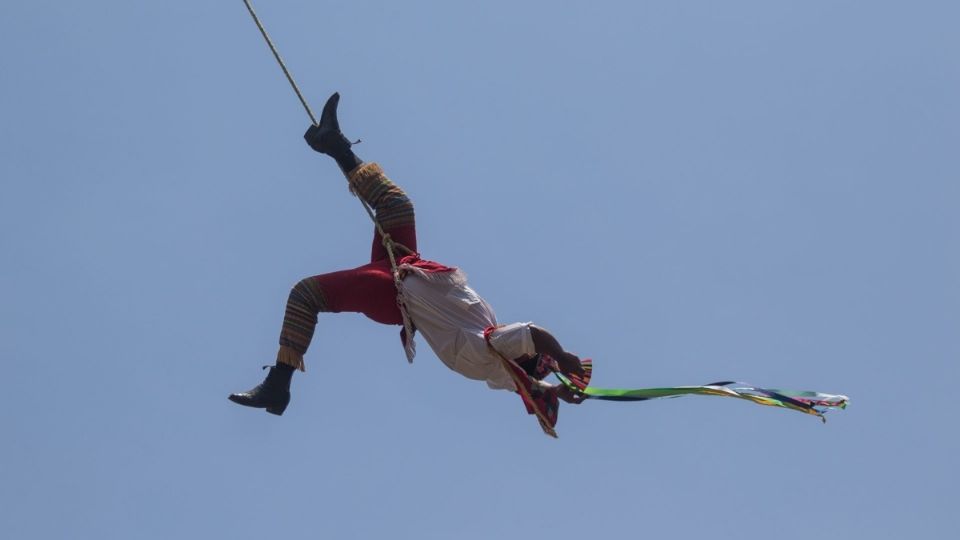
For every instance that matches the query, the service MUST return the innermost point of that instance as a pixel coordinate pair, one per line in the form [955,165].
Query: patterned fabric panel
[582,382]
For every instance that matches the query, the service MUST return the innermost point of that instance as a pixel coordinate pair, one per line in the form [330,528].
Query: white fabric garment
[452,317]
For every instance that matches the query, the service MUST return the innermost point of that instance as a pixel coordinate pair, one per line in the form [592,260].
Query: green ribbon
[814,403]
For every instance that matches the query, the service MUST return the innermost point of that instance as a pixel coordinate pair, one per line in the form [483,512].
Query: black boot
[327,138]
[272,394]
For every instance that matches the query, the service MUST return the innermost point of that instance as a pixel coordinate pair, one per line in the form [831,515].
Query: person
[456,322]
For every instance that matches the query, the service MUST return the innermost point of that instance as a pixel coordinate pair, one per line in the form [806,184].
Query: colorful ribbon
[814,403]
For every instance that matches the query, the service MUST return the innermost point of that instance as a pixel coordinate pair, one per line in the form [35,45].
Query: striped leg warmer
[299,321]
[392,206]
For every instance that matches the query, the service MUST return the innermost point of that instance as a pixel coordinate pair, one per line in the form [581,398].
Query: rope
[386,240]
[280,61]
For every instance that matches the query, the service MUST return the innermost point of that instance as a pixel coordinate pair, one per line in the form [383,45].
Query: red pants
[368,289]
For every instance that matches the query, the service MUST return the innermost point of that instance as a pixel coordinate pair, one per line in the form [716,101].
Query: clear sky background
[686,191]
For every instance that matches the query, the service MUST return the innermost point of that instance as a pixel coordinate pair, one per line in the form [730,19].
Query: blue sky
[684,191]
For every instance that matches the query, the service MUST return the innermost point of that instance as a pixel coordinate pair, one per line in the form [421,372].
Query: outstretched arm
[545,343]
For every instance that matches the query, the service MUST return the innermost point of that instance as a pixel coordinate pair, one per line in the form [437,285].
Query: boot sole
[272,409]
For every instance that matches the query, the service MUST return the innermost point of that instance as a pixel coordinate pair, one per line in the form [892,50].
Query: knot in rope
[387,241]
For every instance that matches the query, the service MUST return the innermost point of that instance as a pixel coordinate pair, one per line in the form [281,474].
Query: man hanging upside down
[459,326]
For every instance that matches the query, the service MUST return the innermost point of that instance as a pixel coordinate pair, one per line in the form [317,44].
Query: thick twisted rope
[280,61]
[390,246]
[386,240]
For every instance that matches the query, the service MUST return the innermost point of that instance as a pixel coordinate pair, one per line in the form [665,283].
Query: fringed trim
[457,277]
[354,171]
[408,332]
[290,357]
[409,345]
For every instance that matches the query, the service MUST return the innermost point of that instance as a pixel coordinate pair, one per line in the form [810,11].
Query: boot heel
[278,409]
[273,394]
